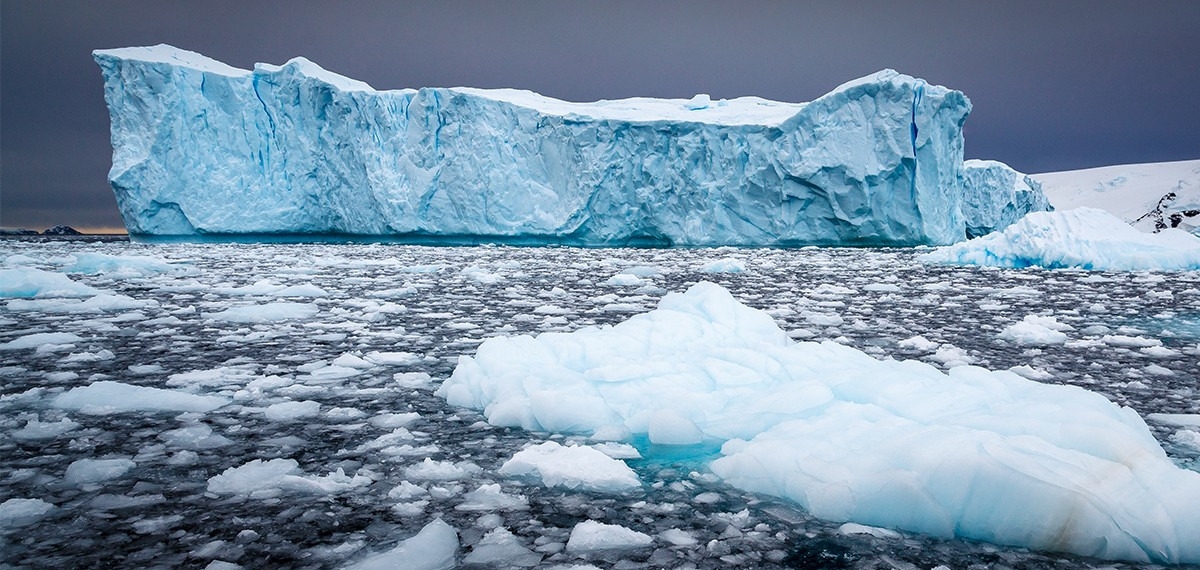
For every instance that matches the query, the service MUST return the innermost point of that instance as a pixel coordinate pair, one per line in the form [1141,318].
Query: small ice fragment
[434,548]
[877,532]
[590,536]
[17,512]
[291,411]
[501,549]
[573,467]
[85,471]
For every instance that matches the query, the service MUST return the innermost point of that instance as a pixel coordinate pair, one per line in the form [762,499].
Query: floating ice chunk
[1129,341]
[36,340]
[918,343]
[480,275]
[499,548]
[882,287]
[1082,238]
[270,312]
[194,437]
[573,467]
[17,512]
[97,304]
[119,265]
[1036,330]
[724,265]
[1177,420]
[35,430]
[351,361]
[627,280]
[617,450]
[677,537]
[492,498]
[85,471]
[591,536]
[1031,373]
[107,396]
[29,282]
[434,548]
[222,565]
[292,411]
[430,470]
[392,421]
[970,453]
[110,502]
[260,479]
[877,532]
[668,427]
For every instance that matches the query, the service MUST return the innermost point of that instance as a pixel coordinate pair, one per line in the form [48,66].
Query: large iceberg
[200,147]
[972,453]
[997,196]
[1083,238]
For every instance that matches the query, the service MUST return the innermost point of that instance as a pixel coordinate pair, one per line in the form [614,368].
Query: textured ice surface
[573,467]
[434,548]
[33,282]
[592,535]
[107,396]
[1149,196]
[160,514]
[203,148]
[997,196]
[975,454]
[1084,238]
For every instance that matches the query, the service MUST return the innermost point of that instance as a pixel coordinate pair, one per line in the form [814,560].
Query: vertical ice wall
[203,148]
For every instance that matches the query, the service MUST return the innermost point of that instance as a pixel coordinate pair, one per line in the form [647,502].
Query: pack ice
[200,147]
[1084,238]
[971,453]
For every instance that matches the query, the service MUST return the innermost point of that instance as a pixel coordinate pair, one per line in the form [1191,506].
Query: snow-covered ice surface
[1149,196]
[390,330]
[1084,238]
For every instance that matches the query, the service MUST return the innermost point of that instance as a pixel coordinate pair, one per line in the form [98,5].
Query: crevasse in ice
[200,147]
[971,453]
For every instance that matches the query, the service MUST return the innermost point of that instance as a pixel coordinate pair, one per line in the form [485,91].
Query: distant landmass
[59,230]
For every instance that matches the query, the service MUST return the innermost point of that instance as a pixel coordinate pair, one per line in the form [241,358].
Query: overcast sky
[1056,85]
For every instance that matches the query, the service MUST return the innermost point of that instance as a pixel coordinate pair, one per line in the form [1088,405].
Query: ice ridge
[200,147]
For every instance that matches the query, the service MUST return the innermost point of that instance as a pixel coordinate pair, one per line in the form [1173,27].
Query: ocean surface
[170,316]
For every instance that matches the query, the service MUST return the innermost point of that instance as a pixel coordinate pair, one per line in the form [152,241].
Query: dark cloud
[1056,85]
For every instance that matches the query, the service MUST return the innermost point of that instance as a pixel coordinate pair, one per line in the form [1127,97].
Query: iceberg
[1083,238]
[973,453]
[997,196]
[202,148]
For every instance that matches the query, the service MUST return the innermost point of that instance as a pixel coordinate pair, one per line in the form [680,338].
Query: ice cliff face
[204,148]
[996,196]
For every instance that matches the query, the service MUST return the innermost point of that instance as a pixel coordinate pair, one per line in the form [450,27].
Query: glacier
[1081,238]
[970,453]
[203,148]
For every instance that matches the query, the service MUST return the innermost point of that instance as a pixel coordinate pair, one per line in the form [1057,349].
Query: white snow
[573,467]
[590,536]
[1128,191]
[107,396]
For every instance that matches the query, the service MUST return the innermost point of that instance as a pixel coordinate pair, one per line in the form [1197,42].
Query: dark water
[439,303]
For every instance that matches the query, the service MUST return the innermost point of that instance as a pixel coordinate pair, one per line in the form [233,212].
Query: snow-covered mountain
[1153,195]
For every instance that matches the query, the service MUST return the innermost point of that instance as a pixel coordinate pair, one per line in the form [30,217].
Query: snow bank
[107,396]
[1083,238]
[573,467]
[973,453]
